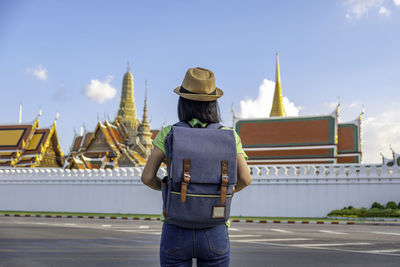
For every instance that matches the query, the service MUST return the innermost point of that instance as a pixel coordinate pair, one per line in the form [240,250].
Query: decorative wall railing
[293,190]
[265,171]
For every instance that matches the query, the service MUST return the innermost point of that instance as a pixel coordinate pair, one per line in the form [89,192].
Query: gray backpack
[202,173]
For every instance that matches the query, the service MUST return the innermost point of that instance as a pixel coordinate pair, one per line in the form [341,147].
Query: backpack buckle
[225,180]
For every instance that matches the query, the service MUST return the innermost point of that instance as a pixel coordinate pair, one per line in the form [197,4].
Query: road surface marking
[241,236]
[150,232]
[70,224]
[382,251]
[270,240]
[281,231]
[332,232]
[385,233]
[233,229]
[330,244]
[144,227]
[106,225]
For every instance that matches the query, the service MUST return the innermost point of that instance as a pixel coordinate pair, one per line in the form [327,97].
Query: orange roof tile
[76,143]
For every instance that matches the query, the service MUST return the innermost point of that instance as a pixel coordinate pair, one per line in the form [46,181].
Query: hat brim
[200,97]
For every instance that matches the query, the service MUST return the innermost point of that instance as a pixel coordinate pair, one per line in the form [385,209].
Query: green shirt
[160,138]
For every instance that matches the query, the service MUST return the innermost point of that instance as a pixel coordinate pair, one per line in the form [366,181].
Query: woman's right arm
[149,175]
[243,173]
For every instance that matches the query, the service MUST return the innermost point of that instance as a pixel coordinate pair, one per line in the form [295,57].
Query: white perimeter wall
[301,191]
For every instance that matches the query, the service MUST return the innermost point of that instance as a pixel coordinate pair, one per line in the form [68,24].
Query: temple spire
[127,111]
[277,110]
[145,105]
[144,132]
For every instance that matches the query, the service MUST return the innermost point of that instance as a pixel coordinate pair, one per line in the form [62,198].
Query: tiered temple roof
[27,145]
[126,142]
[298,140]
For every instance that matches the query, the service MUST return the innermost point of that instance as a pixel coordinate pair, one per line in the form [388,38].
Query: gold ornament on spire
[277,110]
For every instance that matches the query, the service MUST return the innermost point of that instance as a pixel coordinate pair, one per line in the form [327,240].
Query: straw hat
[199,85]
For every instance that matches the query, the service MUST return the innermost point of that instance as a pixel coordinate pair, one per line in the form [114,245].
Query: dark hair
[205,111]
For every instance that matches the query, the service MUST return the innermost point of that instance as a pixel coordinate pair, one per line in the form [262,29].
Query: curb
[233,221]
[80,217]
[158,219]
[294,222]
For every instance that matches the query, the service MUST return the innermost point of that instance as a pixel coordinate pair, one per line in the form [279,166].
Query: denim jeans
[209,246]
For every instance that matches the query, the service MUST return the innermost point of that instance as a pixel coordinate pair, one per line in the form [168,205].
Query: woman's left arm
[149,175]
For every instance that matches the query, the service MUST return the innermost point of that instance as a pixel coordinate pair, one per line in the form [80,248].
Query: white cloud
[261,106]
[384,11]
[396,2]
[100,91]
[379,132]
[39,72]
[355,104]
[358,8]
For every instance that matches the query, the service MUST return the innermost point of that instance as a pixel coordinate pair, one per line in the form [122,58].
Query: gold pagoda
[125,142]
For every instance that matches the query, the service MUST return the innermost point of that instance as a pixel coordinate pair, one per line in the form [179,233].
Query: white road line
[270,240]
[144,227]
[382,251]
[241,236]
[233,229]
[330,244]
[136,230]
[70,224]
[151,232]
[332,248]
[125,227]
[385,233]
[106,225]
[332,232]
[282,231]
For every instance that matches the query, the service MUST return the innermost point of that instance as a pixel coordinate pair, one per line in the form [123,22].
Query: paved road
[90,242]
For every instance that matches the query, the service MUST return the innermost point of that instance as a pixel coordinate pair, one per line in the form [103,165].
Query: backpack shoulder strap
[214,126]
[182,124]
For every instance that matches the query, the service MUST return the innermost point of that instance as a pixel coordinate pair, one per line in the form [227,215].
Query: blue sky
[51,52]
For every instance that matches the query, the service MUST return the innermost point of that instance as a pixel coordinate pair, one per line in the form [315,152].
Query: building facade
[279,139]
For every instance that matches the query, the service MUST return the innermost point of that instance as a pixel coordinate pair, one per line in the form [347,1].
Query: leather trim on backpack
[186,179]
[224,180]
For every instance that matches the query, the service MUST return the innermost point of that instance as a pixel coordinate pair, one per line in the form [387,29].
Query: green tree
[377,205]
[391,205]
